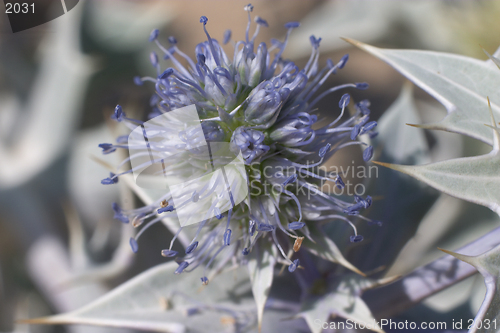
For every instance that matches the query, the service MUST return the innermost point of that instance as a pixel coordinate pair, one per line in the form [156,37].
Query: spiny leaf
[488,264]
[343,301]
[261,268]
[475,179]
[154,301]
[446,223]
[459,83]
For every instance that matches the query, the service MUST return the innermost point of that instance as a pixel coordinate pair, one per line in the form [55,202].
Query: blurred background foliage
[59,82]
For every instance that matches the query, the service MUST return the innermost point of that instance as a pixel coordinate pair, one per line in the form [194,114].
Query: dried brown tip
[297,244]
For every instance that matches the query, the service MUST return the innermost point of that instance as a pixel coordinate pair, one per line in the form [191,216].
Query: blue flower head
[264,107]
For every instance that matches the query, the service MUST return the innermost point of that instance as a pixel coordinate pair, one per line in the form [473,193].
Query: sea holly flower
[249,142]
[263,108]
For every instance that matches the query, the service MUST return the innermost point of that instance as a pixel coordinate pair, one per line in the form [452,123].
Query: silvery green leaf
[460,83]
[343,301]
[261,264]
[488,265]
[475,179]
[478,291]
[51,111]
[158,300]
[446,209]
[454,228]
[447,224]
[402,143]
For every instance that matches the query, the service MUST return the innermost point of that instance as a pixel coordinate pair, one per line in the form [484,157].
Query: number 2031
[17,8]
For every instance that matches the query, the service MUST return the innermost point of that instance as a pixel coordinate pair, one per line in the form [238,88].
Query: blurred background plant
[59,245]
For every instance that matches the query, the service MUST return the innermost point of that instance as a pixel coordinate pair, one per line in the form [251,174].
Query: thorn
[357,271]
[495,60]
[388,280]
[422,126]
[39,321]
[381,282]
[462,257]
[353,42]
[400,168]
[495,128]
[375,271]
[387,165]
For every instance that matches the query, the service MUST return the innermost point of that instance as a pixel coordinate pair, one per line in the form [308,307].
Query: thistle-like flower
[263,108]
